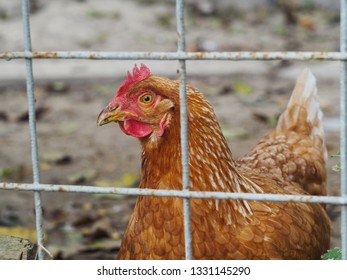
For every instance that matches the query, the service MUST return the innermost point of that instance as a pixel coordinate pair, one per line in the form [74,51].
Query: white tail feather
[304,104]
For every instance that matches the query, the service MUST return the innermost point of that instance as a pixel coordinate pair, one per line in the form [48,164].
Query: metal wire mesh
[181,55]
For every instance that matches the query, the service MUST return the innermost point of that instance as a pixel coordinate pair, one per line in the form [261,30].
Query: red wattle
[135,128]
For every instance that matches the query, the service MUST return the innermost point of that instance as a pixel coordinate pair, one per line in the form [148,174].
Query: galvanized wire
[343,122]
[179,55]
[181,48]
[32,124]
[337,200]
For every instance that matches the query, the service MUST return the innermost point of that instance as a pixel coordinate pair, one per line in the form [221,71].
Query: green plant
[99,14]
[333,254]
[337,166]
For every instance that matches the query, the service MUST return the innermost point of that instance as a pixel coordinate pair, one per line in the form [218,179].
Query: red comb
[138,75]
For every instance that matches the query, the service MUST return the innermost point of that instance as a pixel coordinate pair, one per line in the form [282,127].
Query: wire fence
[181,56]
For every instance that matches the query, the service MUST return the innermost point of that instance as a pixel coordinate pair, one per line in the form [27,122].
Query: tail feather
[295,150]
[303,114]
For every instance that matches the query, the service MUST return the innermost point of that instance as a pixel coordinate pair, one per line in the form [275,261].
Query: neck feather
[210,159]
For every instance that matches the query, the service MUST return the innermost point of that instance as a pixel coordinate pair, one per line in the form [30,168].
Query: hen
[290,160]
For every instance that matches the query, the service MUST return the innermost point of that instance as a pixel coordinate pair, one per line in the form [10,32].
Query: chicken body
[290,160]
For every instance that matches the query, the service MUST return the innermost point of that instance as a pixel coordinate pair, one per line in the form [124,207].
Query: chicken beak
[110,114]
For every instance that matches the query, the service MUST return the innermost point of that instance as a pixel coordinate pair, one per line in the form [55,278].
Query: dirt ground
[247,97]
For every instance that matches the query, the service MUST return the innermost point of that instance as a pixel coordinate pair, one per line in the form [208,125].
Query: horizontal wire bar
[336,200]
[242,55]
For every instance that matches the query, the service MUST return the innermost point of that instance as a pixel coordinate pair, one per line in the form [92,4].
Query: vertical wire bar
[184,127]
[32,124]
[343,122]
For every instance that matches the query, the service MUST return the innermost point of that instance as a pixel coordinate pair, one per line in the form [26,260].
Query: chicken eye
[146,99]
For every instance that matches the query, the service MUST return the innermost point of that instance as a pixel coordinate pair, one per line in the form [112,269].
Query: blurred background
[247,97]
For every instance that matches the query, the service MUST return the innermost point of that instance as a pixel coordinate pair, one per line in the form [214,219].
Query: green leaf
[99,14]
[128,180]
[5,172]
[334,254]
[338,154]
[237,132]
[337,167]
[242,88]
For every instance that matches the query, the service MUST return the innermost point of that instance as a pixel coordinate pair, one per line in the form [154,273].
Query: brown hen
[290,160]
